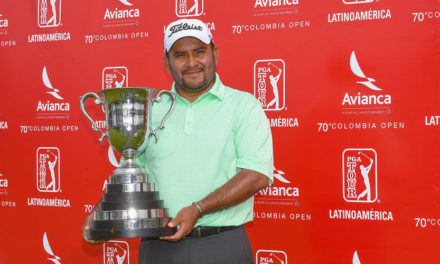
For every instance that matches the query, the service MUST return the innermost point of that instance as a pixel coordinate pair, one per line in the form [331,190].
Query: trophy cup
[130,207]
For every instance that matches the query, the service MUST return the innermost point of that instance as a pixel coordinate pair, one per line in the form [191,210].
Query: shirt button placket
[189,120]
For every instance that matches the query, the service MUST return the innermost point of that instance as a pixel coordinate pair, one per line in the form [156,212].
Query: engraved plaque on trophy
[130,207]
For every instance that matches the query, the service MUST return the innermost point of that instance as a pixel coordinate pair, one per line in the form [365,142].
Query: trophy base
[130,207]
[147,232]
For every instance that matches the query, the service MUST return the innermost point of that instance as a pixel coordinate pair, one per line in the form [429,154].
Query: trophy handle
[98,101]
[158,99]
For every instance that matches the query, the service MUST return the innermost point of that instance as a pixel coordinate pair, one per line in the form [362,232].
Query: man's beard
[195,86]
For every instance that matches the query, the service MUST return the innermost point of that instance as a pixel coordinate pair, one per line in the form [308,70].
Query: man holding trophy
[213,154]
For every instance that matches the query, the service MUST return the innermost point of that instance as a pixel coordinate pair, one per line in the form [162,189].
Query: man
[213,155]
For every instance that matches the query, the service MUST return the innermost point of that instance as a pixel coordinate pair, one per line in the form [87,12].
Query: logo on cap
[184,26]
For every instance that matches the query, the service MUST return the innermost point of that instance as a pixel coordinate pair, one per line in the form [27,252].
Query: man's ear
[166,63]
[216,52]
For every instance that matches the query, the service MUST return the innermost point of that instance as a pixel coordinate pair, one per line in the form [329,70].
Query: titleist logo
[184,26]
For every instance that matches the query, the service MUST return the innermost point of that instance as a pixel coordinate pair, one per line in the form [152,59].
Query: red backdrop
[351,88]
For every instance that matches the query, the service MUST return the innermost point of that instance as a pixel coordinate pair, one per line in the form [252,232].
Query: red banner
[351,89]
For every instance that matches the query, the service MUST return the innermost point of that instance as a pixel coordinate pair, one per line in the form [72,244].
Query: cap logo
[184,26]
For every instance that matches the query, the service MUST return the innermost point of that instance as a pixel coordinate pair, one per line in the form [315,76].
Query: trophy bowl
[130,207]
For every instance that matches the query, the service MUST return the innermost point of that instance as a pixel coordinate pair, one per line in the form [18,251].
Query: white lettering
[274,3]
[3,183]
[119,14]
[48,106]
[49,202]
[432,120]
[284,122]
[3,23]
[57,36]
[361,215]
[280,191]
[359,16]
[3,125]
[360,99]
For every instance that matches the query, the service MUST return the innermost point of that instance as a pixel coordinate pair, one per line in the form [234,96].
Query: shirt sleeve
[253,138]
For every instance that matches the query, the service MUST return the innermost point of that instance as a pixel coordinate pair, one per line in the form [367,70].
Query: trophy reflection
[130,207]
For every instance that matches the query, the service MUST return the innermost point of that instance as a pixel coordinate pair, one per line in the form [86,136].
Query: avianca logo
[356,258]
[356,69]
[277,174]
[55,259]
[3,22]
[50,106]
[279,191]
[3,182]
[274,3]
[364,99]
[125,2]
[121,14]
[46,81]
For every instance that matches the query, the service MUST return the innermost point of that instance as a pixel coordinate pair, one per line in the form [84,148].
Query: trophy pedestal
[130,208]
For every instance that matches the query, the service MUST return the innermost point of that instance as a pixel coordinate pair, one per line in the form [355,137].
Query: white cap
[186,28]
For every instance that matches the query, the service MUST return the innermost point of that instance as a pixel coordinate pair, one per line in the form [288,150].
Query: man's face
[192,64]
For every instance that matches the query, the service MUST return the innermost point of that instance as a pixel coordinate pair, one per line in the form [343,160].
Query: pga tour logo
[269,83]
[116,252]
[189,8]
[49,13]
[114,77]
[359,175]
[271,257]
[48,169]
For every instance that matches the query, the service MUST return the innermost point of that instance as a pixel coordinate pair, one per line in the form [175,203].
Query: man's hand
[86,227]
[186,219]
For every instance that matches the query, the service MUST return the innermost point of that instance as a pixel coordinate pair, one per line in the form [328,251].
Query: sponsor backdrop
[351,89]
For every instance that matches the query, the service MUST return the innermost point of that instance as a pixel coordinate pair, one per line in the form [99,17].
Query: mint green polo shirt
[203,145]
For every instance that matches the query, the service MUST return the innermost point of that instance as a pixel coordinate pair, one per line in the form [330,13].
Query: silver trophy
[130,207]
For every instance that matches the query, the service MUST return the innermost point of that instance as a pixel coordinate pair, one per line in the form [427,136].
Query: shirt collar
[217,89]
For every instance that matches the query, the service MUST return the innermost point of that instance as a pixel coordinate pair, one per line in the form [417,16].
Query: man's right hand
[86,226]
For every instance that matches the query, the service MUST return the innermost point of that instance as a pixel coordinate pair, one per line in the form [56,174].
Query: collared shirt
[203,145]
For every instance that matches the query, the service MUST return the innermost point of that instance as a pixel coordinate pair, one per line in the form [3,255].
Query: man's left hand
[185,219]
